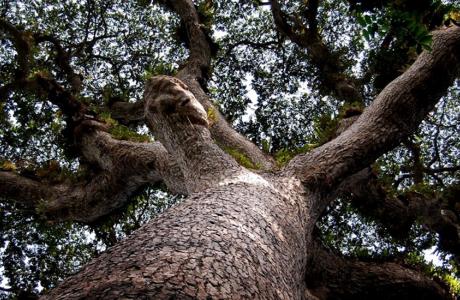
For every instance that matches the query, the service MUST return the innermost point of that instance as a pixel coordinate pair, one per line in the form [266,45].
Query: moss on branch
[122,132]
[241,158]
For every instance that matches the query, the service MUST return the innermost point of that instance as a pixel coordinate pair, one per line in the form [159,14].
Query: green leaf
[373,29]
[361,20]
[426,42]
[368,19]
[366,34]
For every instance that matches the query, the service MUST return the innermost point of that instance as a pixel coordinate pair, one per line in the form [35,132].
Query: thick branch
[193,74]
[225,135]
[123,168]
[200,51]
[331,276]
[393,115]
[399,213]
[330,67]
[41,84]
[221,131]
[179,121]
[23,43]
[84,202]
[23,190]
[148,160]
[127,112]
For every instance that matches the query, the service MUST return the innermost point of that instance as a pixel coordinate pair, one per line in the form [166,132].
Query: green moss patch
[241,158]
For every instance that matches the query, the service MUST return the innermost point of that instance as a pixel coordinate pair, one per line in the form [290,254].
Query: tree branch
[331,72]
[331,276]
[221,131]
[393,115]
[23,190]
[23,43]
[127,112]
[123,168]
[417,167]
[179,121]
[225,136]
[245,42]
[62,60]
[198,63]
[193,74]
[41,83]
[399,213]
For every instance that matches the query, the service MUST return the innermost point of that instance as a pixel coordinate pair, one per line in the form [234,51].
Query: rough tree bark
[248,235]
[240,234]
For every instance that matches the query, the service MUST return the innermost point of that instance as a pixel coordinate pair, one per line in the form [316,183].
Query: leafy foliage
[36,255]
[264,84]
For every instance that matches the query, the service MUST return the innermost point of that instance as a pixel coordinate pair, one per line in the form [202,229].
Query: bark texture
[241,240]
[393,115]
[240,234]
[119,174]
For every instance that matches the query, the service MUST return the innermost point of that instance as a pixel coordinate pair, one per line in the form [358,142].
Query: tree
[339,85]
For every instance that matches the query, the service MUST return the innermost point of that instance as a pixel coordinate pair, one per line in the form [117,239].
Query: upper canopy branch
[330,67]
[62,60]
[249,43]
[200,51]
[23,43]
[25,40]
[394,114]
[42,83]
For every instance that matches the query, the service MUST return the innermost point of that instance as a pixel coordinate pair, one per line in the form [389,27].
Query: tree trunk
[244,239]
[249,238]
[240,234]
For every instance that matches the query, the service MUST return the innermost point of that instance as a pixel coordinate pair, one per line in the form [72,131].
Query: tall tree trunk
[244,235]
[244,239]
[240,234]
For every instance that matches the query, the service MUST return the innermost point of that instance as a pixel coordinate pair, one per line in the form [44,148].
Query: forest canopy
[288,75]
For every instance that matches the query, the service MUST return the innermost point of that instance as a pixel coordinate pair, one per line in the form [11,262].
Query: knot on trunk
[171,98]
